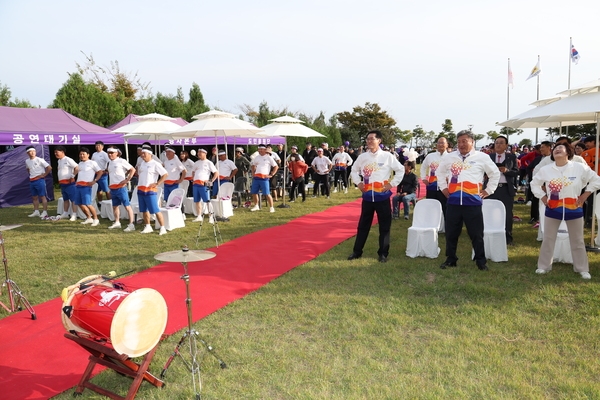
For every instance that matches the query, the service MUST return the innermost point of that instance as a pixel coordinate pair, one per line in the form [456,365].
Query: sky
[422,62]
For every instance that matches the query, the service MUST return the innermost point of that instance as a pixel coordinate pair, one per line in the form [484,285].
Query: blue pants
[405,201]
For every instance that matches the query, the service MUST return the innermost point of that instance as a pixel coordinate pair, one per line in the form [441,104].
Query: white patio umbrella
[216,124]
[288,126]
[580,108]
[149,126]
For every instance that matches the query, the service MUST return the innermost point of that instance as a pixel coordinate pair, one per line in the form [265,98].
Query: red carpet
[37,362]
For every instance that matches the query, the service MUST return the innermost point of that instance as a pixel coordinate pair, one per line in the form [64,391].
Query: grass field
[338,329]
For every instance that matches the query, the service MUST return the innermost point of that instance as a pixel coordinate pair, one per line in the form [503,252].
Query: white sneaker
[130,228]
[163,231]
[44,214]
[87,221]
[528,203]
[73,218]
[335,190]
[198,219]
[65,215]
[541,271]
[36,213]
[96,223]
[117,224]
[346,191]
[585,275]
[211,220]
[271,210]
[147,229]
[255,208]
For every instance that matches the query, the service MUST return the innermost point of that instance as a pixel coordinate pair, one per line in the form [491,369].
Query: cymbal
[8,227]
[185,256]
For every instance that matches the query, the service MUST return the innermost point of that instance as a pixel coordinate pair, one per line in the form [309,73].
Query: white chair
[172,215]
[562,248]
[222,205]
[494,232]
[422,238]
[60,206]
[185,184]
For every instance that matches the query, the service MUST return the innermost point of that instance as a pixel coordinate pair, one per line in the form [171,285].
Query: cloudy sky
[422,61]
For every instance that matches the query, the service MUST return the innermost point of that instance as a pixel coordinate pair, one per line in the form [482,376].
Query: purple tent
[39,127]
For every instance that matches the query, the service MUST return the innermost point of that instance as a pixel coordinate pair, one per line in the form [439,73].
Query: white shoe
[73,218]
[198,219]
[528,203]
[36,213]
[97,222]
[541,271]
[44,214]
[87,221]
[585,275]
[65,215]
[130,228]
[163,231]
[271,210]
[147,229]
[255,208]
[346,191]
[335,190]
[211,220]
[117,224]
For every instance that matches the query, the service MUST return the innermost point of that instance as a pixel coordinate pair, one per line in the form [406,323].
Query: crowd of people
[561,175]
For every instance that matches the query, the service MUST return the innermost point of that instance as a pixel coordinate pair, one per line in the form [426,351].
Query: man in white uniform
[226,169]
[101,158]
[263,168]
[205,174]
[38,169]
[89,174]
[120,173]
[151,175]
[175,172]
[67,169]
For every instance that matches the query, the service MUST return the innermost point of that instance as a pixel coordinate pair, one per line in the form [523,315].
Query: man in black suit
[507,164]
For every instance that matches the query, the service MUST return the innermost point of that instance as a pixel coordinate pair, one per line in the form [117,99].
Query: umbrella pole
[284,165]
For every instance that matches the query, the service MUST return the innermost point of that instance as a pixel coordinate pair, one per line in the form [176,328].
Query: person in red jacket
[298,168]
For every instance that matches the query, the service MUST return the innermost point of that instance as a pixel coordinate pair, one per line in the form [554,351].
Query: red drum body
[133,322]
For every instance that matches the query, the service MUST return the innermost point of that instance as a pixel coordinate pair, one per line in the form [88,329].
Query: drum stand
[192,336]
[216,230]
[15,296]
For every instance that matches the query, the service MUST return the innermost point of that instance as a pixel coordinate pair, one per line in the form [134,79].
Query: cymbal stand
[15,296]
[215,224]
[192,336]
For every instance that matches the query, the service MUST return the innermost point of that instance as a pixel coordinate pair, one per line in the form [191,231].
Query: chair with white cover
[222,205]
[172,215]
[562,248]
[60,206]
[494,232]
[422,238]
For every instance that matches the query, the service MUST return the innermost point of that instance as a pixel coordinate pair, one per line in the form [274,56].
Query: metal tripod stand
[215,224]
[15,296]
[191,336]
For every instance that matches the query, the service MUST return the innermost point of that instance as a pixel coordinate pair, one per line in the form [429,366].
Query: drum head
[139,322]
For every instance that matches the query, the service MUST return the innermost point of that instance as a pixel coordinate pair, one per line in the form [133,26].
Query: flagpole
[538,97]
[508,98]
[570,50]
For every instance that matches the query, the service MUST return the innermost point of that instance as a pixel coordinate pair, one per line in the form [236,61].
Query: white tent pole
[594,194]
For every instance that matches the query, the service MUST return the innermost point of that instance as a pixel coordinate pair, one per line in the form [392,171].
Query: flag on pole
[511,82]
[574,55]
[535,71]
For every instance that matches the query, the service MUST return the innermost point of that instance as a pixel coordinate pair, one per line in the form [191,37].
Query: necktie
[499,159]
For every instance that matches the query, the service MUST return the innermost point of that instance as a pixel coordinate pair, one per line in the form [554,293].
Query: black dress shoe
[448,264]
[482,267]
[382,259]
[353,256]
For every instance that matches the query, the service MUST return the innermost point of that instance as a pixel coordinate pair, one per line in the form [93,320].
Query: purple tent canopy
[49,126]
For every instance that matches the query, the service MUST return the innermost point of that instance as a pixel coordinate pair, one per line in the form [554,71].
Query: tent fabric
[14,179]
[49,126]
[131,118]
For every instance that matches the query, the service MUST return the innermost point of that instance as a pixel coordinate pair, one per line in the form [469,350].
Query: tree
[506,131]
[5,99]
[88,102]
[492,135]
[173,106]
[195,104]
[356,124]
[448,132]
[574,132]
[525,142]
[477,137]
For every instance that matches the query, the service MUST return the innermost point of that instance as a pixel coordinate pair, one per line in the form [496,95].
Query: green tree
[525,142]
[508,132]
[574,131]
[5,95]
[477,137]
[448,132]
[171,105]
[88,102]
[356,124]
[195,104]
[492,135]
